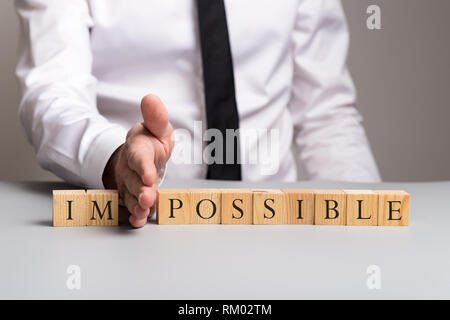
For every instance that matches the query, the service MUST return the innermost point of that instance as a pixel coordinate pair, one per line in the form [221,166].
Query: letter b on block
[102,208]
[173,206]
[331,207]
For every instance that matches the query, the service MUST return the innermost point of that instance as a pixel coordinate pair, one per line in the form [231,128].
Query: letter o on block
[205,206]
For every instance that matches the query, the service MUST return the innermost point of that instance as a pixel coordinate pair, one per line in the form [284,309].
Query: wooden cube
[69,208]
[173,206]
[237,206]
[269,207]
[393,208]
[102,208]
[362,208]
[330,208]
[299,206]
[205,206]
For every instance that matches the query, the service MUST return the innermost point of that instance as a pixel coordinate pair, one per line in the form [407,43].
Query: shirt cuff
[98,155]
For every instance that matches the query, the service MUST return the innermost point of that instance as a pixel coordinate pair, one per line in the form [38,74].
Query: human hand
[134,166]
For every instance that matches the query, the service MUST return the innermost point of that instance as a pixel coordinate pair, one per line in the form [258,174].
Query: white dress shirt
[84,66]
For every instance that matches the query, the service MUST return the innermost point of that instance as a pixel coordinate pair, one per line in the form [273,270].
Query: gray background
[401,73]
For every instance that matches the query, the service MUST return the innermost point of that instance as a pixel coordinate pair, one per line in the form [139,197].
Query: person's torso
[150,46]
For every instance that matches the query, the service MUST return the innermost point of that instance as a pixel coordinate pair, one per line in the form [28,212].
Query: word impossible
[241,206]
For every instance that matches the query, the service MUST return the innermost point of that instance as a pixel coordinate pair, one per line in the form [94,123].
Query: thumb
[156,118]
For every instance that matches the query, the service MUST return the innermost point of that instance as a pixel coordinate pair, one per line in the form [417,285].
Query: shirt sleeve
[330,140]
[58,106]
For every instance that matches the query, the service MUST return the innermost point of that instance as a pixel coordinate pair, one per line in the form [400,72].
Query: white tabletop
[223,261]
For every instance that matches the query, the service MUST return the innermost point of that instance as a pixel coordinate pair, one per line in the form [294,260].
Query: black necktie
[221,109]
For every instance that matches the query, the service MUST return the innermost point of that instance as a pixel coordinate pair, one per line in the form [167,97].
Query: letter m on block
[103,208]
[101,214]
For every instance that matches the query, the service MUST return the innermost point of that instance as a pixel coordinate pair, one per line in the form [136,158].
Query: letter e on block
[69,208]
[237,206]
[173,206]
[269,207]
[102,208]
[393,208]
[331,207]
[362,208]
[206,206]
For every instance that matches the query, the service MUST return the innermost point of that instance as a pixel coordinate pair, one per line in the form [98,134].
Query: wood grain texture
[237,206]
[69,208]
[393,208]
[330,208]
[102,208]
[300,205]
[205,205]
[269,207]
[173,206]
[362,207]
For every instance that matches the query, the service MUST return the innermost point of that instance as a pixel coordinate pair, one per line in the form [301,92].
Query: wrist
[109,173]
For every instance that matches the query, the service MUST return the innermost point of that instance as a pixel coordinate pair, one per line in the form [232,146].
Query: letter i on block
[393,208]
[206,206]
[69,208]
[237,206]
[331,207]
[300,206]
[269,207]
[362,208]
[102,208]
[173,206]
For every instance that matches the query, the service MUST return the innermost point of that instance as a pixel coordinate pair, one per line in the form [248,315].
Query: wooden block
[69,208]
[393,208]
[330,208]
[102,208]
[299,206]
[269,207]
[362,207]
[237,206]
[205,206]
[173,206]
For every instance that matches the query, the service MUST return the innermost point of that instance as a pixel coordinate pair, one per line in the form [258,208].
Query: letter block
[69,208]
[269,207]
[393,208]
[299,206]
[330,207]
[237,206]
[102,208]
[173,206]
[206,206]
[362,207]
